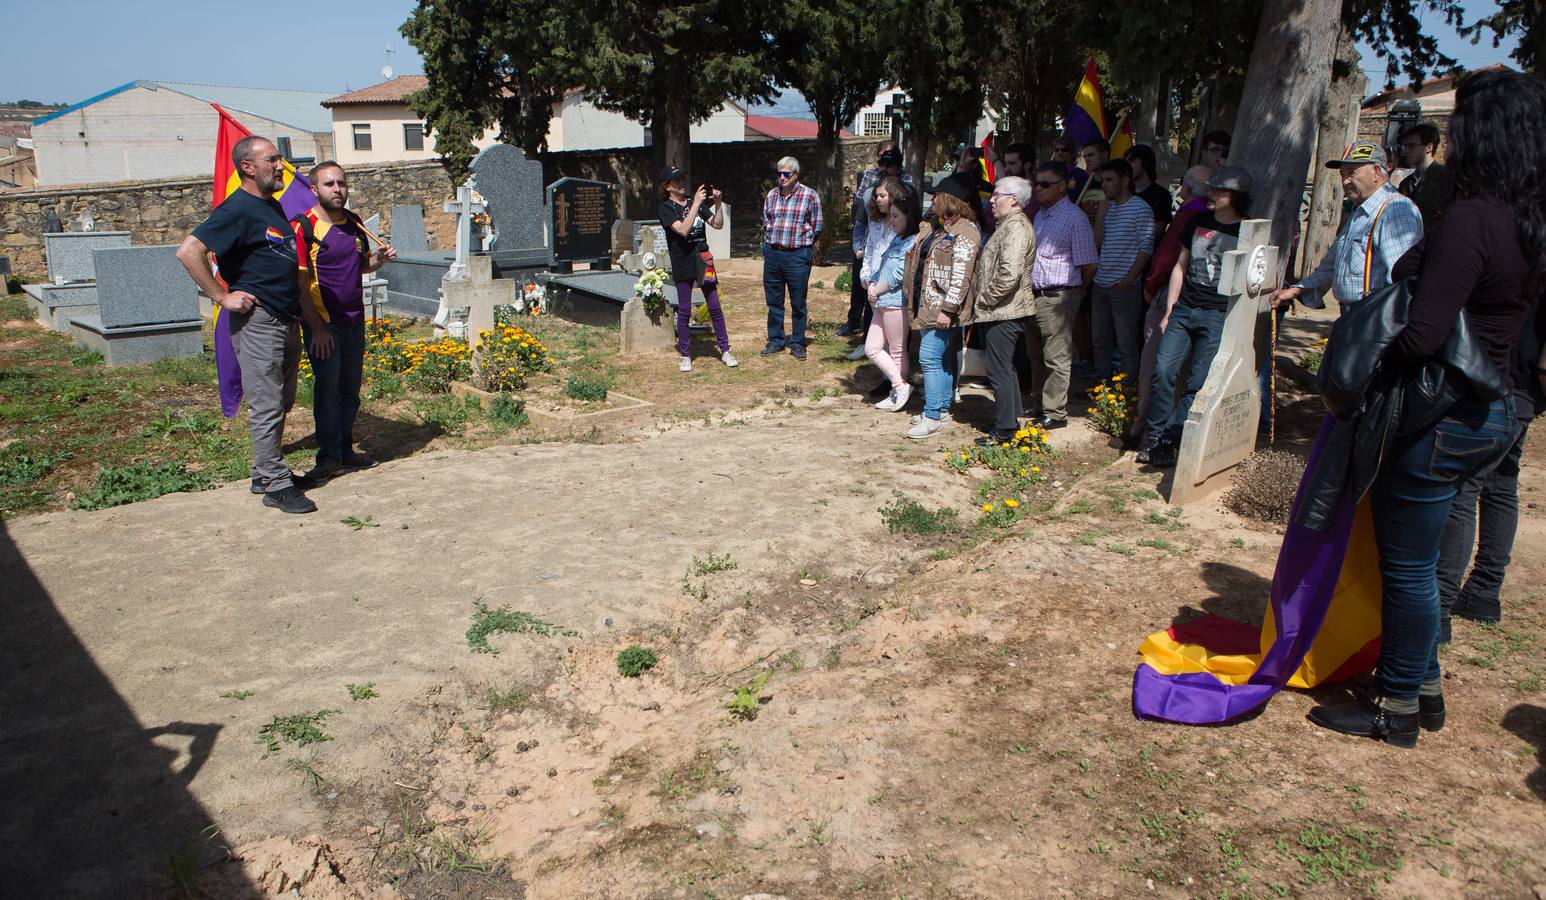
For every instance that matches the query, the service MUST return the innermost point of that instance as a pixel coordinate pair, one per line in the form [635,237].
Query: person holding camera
[685,220]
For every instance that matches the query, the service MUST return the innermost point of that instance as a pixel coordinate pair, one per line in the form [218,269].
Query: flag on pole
[1087,117]
[294,195]
[1122,137]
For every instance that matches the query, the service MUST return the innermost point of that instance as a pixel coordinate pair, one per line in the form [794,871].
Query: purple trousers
[684,317]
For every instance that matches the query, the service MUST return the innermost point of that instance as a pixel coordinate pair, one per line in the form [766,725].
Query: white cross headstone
[464,207]
[1221,426]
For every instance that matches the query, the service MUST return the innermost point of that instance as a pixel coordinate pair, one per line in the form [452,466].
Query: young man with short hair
[1215,149]
[1430,185]
[1065,150]
[333,253]
[1150,191]
[1116,298]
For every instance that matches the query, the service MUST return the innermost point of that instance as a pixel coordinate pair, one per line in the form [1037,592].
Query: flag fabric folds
[294,195]
[1122,137]
[1087,117]
[1322,626]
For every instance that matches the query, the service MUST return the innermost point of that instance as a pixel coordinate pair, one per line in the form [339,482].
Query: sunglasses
[1047,184]
[787,174]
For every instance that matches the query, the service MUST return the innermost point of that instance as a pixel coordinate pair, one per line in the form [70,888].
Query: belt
[785,247]
[1048,292]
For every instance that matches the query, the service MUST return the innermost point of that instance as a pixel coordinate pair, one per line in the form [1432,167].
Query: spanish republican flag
[1122,137]
[294,195]
[1087,117]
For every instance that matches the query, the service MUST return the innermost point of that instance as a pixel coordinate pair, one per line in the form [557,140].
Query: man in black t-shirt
[1141,158]
[686,219]
[254,244]
[1195,321]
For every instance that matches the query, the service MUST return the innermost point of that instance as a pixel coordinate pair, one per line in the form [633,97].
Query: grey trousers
[1047,348]
[1114,315]
[269,351]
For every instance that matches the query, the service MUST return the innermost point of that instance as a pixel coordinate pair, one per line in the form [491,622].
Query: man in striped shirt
[1127,241]
[791,222]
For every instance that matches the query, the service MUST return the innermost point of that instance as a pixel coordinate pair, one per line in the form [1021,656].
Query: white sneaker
[856,354]
[685,365]
[944,419]
[888,404]
[900,396]
[925,427]
[729,360]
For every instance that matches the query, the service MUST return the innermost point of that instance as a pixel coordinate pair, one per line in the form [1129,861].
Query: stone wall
[164,211]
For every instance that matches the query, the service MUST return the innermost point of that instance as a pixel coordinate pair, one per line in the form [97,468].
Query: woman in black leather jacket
[1487,257]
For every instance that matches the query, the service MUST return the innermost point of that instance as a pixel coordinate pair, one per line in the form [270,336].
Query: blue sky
[97,45]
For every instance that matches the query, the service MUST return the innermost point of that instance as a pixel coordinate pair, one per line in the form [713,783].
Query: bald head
[1195,182]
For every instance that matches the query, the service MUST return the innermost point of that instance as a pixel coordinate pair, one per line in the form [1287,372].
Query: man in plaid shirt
[791,220]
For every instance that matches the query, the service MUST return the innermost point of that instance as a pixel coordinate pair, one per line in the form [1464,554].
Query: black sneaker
[1046,423]
[772,348]
[289,500]
[994,438]
[797,351]
[321,474]
[1163,455]
[356,460]
[260,485]
[846,330]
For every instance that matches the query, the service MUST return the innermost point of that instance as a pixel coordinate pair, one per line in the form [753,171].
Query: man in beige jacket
[1003,301]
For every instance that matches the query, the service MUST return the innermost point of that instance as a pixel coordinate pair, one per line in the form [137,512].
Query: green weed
[747,700]
[18,467]
[907,516]
[235,695]
[586,389]
[118,485]
[358,523]
[506,411]
[504,620]
[711,564]
[300,729]
[512,700]
[366,691]
[635,661]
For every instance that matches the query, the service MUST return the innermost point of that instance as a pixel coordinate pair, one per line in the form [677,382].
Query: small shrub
[435,364]
[746,702]
[589,390]
[117,485]
[82,358]
[635,661]
[445,414]
[819,285]
[1310,360]
[507,356]
[1265,486]
[714,562]
[506,411]
[1115,406]
[844,282]
[366,691]
[907,516]
[1000,514]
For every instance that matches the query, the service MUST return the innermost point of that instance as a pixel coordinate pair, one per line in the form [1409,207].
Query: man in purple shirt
[1065,262]
[333,253]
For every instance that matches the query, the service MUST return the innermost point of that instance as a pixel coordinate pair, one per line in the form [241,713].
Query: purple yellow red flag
[1122,137]
[294,195]
[1086,119]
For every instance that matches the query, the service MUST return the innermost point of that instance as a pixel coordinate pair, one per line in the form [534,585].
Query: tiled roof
[393,91]
[787,129]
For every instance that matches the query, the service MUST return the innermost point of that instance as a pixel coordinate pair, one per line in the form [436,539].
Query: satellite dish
[386,72]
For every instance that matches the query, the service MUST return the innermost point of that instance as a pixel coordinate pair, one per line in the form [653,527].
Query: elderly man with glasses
[1065,262]
[791,222]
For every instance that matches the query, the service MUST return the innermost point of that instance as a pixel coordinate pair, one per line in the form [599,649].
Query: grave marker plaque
[583,214]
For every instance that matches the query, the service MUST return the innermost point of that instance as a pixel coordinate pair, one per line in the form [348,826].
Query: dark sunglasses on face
[1046,184]
[786,174]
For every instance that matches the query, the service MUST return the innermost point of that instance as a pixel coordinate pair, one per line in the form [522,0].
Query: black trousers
[859,312]
[1001,340]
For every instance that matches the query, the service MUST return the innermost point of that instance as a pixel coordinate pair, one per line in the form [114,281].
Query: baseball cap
[669,173]
[891,157]
[1359,153]
[1231,178]
[961,185]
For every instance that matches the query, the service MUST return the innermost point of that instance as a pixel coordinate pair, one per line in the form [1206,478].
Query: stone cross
[1221,427]
[478,294]
[464,207]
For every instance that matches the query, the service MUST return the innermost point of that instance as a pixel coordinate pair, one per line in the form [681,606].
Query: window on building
[282,143]
[361,136]
[413,136]
[877,125]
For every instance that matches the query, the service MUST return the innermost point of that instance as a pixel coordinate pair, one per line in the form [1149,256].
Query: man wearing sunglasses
[791,222]
[1065,262]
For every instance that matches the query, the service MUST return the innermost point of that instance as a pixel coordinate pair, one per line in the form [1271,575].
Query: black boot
[1367,717]
[1430,712]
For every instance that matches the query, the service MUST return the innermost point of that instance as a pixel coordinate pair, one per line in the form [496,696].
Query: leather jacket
[1375,399]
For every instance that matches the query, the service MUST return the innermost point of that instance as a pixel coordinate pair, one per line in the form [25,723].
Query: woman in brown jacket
[938,283]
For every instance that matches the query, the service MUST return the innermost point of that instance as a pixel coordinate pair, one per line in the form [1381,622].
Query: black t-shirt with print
[254,245]
[684,251]
[1207,240]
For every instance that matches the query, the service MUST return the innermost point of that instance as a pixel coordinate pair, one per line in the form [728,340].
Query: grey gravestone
[373,224]
[408,234]
[69,253]
[5,265]
[511,185]
[144,286]
[583,213]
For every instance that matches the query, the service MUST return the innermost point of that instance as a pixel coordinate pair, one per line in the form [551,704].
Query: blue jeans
[783,269]
[1484,516]
[336,389]
[1190,329]
[938,357]
[1410,502]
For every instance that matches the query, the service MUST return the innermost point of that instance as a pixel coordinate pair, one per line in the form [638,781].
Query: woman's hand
[942,321]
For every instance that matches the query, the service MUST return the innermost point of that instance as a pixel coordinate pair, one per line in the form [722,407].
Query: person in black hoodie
[1487,257]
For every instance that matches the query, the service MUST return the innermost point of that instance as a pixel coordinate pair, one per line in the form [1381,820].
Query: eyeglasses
[787,174]
[1046,184]
[1213,148]
[997,195]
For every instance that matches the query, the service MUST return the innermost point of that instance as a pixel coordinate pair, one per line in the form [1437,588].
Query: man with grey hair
[1003,301]
[255,243]
[791,222]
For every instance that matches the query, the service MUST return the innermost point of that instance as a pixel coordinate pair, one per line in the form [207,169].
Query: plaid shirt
[1065,242]
[792,221]
[1342,269]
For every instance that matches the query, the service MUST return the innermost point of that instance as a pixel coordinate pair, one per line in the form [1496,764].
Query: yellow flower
[1022,473]
[1089,409]
[987,507]
[1025,449]
[1011,503]
[1118,377]
[965,456]
[1035,468]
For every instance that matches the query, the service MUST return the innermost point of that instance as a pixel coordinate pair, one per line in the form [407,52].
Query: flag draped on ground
[1322,626]
[1087,117]
[294,195]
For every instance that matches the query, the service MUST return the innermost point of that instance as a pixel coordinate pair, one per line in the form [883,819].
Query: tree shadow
[91,804]
[1528,722]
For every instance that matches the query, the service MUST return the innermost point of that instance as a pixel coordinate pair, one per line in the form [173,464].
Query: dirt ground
[943,716]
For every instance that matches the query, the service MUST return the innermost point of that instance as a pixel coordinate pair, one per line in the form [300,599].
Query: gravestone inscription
[583,214]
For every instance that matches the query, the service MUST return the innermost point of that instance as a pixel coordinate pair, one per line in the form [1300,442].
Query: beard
[271,182]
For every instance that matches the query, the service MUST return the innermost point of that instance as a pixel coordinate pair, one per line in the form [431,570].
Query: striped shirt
[1128,232]
[1342,269]
[792,221]
[1064,243]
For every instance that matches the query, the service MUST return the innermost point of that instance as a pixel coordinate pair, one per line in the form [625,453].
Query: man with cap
[888,164]
[1194,317]
[1065,262]
[1382,227]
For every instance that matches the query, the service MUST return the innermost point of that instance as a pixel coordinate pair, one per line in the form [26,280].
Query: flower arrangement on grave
[651,288]
[1115,406]
[507,356]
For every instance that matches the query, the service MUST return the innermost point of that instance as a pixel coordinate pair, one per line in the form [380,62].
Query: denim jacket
[892,268]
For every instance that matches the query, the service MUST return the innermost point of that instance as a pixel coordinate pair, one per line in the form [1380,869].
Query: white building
[375,124]
[162,129]
[872,120]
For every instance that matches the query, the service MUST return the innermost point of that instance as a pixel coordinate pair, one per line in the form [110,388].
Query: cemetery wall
[165,210]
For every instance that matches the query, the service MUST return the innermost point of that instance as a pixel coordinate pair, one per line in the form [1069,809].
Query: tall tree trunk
[824,168]
[1338,126]
[1285,87]
[671,130]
